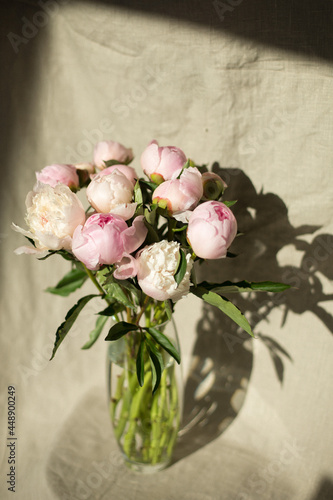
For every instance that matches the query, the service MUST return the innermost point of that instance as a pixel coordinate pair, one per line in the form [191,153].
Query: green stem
[154,427]
[129,316]
[157,419]
[118,395]
[143,308]
[171,225]
[94,280]
[136,408]
[127,393]
[174,413]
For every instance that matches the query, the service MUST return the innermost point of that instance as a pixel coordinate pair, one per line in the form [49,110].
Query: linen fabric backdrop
[245,87]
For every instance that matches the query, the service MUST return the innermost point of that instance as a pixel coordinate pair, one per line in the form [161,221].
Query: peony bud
[110,150]
[179,195]
[128,172]
[59,174]
[112,193]
[160,163]
[213,186]
[211,229]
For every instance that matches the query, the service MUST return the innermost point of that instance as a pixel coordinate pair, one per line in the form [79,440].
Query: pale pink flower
[52,216]
[106,239]
[112,193]
[128,172]
[160,163]
[211,229]
[179,195]
[111,150]
[59,173]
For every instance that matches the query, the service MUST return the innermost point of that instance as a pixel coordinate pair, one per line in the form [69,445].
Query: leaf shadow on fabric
[325,490]
[222,355]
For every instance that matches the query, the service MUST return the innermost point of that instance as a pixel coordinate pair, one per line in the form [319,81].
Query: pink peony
[112,193]
[106,239]
[111,150]
[212,228]
[128,172]
[59,174]
[160,163]
[179,195]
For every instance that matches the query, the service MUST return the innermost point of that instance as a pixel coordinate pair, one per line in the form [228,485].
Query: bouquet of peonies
[137,240]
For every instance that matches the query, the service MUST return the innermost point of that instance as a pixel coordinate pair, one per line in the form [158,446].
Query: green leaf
[70,319]
[95,333]
[152,235]
[120,329]
[182,266]
[245,286]
[103,274]
[112,309]
[66,255]
[69,283]
[151,185]
[110,163]
[269,286]
[156,363]
[115,292]
[140,364]
[179,229]
[31,241]
[150,216]
[134,290]
[230,203]
[162,211]
[224,305]
[164,342]
[187,165]
[138,193]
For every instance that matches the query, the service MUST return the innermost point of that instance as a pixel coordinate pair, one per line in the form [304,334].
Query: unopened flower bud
[213,186]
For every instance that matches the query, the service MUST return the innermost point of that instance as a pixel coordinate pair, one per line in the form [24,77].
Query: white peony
[157,265]
[52,216]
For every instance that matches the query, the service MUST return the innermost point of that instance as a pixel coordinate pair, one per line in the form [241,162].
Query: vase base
[145,468]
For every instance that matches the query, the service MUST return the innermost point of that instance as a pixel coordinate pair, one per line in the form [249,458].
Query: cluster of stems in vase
[137,241]
[145,420]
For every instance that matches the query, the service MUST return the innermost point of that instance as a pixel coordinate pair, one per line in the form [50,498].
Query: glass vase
[145,424]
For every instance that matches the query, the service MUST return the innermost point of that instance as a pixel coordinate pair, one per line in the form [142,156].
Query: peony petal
[134,236]
[182,216]
[126,268]
[124,210]
[19,229]
[30,251]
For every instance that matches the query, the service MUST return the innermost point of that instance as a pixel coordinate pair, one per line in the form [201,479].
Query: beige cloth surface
[261,428]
